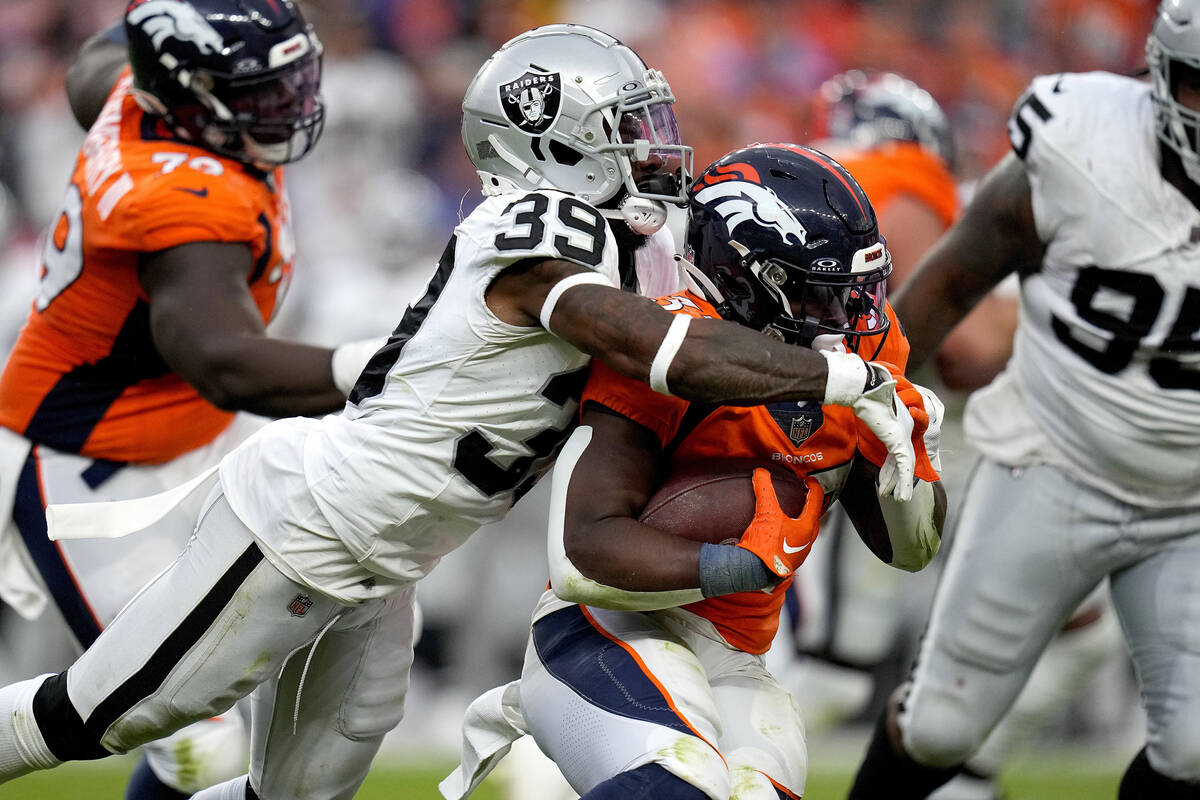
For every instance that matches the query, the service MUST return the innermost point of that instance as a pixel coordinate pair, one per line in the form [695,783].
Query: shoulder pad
[1070,113]
[541,224]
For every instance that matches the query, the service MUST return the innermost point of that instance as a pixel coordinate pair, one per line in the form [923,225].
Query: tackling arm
[93,72]
[995,236]
[718,362]
[701,359]
[208,330]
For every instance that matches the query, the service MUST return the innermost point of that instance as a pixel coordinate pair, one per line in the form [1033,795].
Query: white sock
[22,748]
[229,790]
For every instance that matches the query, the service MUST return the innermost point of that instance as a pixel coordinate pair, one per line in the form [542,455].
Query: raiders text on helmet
[239,77]
[571,108]
[785,241]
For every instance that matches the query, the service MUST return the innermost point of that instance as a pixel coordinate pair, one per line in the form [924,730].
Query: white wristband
[666,353]
[847,378]
[557,290]
[349,360]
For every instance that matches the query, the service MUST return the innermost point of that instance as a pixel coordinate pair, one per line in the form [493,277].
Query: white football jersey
[1105,373]
[448,424]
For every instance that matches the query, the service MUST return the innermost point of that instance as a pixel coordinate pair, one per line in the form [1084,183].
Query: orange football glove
[782,542]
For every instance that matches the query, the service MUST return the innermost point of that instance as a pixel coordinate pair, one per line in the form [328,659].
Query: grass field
[1060,777]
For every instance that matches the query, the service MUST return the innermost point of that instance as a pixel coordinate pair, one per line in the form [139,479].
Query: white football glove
[933,434]
[350,359]
[870,391]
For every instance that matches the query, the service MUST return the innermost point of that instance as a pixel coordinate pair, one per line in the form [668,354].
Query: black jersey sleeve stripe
[374,375]
[146,680]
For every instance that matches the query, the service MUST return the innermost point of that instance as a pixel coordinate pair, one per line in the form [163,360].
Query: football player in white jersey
[298,584]
[1089,437]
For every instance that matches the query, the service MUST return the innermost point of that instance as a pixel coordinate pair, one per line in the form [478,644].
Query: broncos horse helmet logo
[172,19]
[738,198]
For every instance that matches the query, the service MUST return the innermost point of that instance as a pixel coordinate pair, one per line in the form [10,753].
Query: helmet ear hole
[567,156]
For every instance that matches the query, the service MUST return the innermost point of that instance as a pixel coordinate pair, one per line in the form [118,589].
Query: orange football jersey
[896,168]
[84,375]
[808,438]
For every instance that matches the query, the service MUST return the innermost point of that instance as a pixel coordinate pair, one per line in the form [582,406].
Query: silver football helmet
[1174,41]
[569,107]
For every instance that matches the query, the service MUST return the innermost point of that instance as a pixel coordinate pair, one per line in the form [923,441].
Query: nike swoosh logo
[198,192]
[791,550]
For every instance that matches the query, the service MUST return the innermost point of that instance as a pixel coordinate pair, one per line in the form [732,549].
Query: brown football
[713,501]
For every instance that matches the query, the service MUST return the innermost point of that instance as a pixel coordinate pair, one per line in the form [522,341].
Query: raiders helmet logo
[171,19]
[741,201]
[532,101]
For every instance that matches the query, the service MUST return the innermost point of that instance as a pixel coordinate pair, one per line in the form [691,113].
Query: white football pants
[328,680]
[604,692]
[83,583]
[1031,544]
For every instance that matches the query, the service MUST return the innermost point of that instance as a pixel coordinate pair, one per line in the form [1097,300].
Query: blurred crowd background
[375,202]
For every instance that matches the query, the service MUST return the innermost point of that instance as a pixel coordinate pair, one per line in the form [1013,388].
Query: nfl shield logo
[300,605]
[532,101]
[798,421]
[800,429]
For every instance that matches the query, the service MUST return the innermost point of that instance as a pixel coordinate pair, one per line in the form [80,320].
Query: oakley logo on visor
[532,101]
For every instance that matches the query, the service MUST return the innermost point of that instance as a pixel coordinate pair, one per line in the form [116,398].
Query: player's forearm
[266,376]
[720,362]
[621,560]
[716,362]
[625,570]
[625,554]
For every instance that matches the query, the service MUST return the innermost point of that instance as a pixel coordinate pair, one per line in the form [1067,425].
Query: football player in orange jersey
[644,674]
[147,337]
[895,139]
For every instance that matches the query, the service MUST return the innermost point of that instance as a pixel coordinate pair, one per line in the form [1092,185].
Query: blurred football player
[1089,435]
[644,673]
[895,139]
[170,254]
[298,584]
[848,610]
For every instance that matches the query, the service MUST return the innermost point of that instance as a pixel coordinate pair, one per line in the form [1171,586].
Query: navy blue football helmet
[238,77]
[865,109]
[786,242]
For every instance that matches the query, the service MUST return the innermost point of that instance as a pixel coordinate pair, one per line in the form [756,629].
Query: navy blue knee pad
[648,782]
[145,785]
